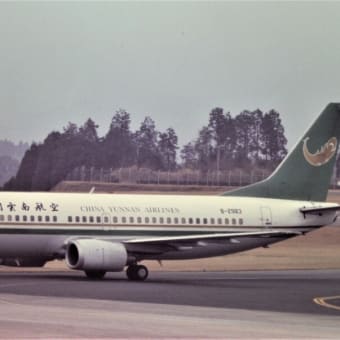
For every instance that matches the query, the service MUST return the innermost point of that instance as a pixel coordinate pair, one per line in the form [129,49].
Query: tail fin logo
[321,156]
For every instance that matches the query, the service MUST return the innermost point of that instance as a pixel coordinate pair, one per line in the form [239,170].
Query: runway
[263,304]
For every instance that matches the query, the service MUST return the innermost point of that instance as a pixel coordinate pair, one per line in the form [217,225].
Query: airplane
[100,233]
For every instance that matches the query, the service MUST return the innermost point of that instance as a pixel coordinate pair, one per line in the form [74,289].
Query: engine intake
[91,254]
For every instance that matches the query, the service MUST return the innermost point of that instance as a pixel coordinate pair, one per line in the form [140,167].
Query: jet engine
[92,254]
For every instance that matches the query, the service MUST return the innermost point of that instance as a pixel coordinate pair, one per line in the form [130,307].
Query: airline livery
[99,233]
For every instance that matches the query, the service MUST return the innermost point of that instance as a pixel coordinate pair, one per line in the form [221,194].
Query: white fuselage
[38,225]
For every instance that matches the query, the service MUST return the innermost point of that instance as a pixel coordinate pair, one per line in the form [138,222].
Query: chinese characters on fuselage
[26,207]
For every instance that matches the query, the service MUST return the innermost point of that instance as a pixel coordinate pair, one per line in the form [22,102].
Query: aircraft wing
[163,244]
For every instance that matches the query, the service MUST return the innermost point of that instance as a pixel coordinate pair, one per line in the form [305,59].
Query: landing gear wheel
[137,272]
[95,274]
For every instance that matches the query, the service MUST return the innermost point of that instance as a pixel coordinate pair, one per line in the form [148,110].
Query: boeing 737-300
[99,233]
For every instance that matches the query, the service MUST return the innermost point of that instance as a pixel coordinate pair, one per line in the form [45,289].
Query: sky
[64,62]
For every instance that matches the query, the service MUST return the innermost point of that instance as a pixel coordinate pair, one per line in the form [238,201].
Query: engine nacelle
[91,254]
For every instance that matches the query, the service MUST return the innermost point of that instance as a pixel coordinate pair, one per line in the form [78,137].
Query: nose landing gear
[136,272]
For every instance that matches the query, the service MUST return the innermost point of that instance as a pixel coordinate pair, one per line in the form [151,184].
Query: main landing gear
[137,272]
[134,272]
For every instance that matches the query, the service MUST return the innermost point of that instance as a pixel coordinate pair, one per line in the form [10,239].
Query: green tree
[91,143]
[189,156]
[243,123]
[47,162]
[204,149]
[273,138]
[256,136]
[148,154]
[248,131]
[88,131]
[224,136]
[118,148]
[167,146]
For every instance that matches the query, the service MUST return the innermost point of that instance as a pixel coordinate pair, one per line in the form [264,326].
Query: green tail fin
[306,172]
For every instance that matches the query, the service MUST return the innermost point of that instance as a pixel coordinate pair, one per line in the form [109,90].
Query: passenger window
[84,219]
[69,219]
[9,218]
[205,221]
[123,219]
[98,219]
[147,220]
[183,220]
[219,221]
[77,219]
[106,219]
[233,221]
[226,221]
[198,221]
[91,219]
[24,218]
[168,220]
[115,219]
[240,221]
[154,220]
[161,220]
[32,218]
[212,221]
[47,218]
[131,220]
[176,220]
[191,221]
[17,218]
[39,218]
[139,220]
[55,219]
[2,218]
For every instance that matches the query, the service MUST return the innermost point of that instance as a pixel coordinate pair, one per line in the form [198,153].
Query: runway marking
[322,302]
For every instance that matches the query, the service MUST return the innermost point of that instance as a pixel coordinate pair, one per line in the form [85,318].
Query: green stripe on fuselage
[135,232]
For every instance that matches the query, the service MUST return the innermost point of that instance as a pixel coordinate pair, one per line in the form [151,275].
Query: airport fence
[181,177]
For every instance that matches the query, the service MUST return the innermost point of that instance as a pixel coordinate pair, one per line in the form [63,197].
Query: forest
[250,140]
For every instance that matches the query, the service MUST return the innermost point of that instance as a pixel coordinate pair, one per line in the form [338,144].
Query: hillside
[10,157]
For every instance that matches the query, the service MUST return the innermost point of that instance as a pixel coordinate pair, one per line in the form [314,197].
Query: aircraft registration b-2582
[100,233]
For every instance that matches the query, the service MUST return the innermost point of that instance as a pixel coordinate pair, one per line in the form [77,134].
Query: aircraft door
[266,216]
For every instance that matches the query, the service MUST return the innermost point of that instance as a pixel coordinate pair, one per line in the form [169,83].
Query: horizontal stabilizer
[319,210]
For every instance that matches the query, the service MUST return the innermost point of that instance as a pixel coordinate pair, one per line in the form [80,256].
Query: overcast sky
[62,62]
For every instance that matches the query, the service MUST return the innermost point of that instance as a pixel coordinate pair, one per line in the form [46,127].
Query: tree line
[252,138]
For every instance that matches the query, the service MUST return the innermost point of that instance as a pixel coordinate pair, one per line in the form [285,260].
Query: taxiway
[259,304]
